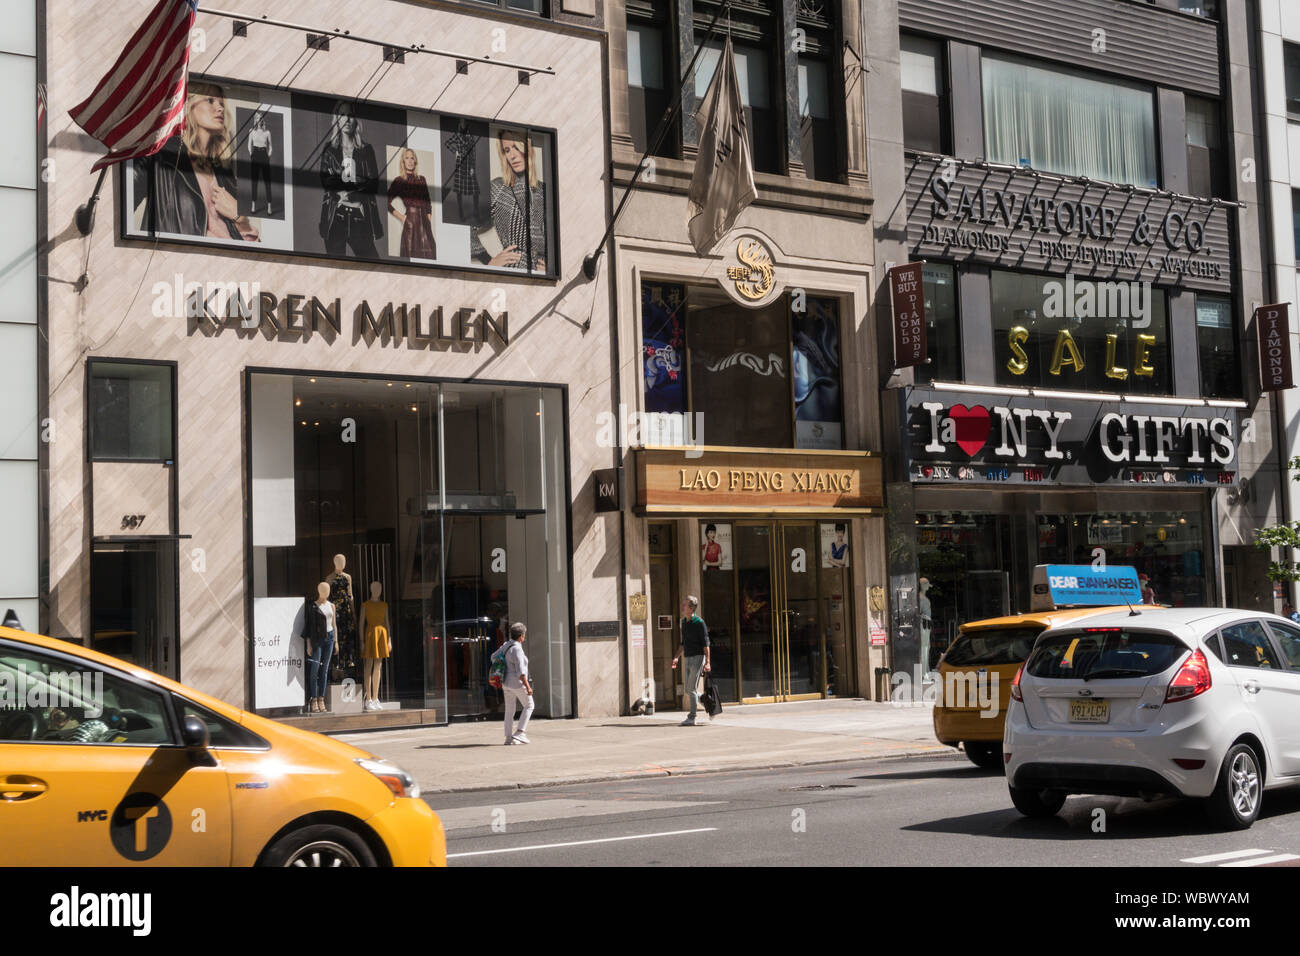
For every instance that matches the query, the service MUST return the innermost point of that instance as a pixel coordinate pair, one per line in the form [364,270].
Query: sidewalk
[470,756]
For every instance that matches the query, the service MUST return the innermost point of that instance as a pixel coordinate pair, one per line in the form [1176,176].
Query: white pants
[517,696]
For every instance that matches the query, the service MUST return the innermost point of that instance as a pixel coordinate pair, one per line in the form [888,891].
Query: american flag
[140,102]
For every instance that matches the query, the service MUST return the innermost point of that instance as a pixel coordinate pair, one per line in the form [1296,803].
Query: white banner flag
[723,183]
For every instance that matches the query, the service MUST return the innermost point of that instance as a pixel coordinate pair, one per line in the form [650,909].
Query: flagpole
[590,262]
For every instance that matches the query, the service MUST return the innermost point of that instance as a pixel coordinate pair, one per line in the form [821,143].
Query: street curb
[930,750]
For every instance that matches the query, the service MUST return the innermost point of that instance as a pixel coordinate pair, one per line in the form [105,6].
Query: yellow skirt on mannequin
[376,645]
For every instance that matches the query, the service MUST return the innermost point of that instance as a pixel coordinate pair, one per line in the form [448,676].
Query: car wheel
[1037,803]
[321,845]
[1236,799]
[984,754]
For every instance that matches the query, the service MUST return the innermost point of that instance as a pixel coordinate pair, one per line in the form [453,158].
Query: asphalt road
[910,812]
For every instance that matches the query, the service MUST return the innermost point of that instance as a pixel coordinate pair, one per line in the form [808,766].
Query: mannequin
[321,630]
[376,645]
[926,624]
[340,583]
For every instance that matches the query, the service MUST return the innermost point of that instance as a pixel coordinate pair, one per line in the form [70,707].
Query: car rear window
[1108,653]
[994,645]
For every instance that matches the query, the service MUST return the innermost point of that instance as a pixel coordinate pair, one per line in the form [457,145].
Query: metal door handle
[17,788]
[1251,687]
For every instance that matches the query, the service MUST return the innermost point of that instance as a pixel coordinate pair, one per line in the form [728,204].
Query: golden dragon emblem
[755,278]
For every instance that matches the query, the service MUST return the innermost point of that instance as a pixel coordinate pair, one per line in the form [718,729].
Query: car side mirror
[194,735]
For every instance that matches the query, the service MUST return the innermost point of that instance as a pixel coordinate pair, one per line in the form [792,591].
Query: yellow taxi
[973,687]
[105,764]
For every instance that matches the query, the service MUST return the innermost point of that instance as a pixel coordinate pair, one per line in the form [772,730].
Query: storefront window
[943,334]
[1069,123]
[1081,335]
[816,351]
[1216,339]
[717,373]
[740,370]
[1167,546]
[444,505]
[975,565]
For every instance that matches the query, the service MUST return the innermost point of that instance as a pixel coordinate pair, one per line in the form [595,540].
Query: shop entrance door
[133,603]
[782,648]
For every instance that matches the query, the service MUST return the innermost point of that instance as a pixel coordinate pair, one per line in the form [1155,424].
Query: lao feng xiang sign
[1012,219]
[1274,347]
[907,294]
[1012,440]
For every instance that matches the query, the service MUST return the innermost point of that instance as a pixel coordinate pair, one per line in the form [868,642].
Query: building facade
[1090,220]
[331,337]
[1278,60]
[24,437]
[752,472]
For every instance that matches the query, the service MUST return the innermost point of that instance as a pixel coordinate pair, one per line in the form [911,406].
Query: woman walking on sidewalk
[516,686]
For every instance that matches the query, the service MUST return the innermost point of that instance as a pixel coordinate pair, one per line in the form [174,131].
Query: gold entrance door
[782,647]
[799,639]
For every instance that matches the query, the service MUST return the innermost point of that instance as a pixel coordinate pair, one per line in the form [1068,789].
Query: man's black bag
[712,700]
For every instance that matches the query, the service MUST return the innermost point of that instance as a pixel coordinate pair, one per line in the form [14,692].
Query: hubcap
[1245,785]
[322,853]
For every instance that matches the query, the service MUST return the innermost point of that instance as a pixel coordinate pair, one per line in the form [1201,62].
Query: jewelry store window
[418,520]
[717,373]
[1052,331]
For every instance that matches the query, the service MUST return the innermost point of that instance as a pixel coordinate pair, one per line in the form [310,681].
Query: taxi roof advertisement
[1084,585]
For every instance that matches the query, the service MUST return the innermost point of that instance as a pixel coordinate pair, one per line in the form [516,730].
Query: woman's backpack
[497,670]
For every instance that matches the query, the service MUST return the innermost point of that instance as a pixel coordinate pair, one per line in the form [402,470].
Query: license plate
[1089,711]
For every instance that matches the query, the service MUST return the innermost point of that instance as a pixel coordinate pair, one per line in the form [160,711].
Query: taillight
[1192,679]
[1015,685]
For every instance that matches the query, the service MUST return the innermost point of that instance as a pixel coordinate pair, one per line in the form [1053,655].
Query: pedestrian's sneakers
[688,722]
[522,738]
[511,742]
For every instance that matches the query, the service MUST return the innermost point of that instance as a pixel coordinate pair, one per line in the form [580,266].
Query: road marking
[1264,861]
[553,846]
[1218,857]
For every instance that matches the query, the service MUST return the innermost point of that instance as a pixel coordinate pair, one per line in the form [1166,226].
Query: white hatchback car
[1190,702]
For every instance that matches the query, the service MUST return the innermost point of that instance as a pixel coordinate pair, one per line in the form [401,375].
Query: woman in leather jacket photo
[349,215]
[194,185]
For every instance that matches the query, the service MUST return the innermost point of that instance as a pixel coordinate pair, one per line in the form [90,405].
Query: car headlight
[395,778]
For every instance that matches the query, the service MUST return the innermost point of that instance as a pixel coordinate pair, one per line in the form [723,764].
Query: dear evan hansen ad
[1081,584]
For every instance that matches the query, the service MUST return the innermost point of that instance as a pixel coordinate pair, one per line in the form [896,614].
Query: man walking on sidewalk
[695,647]
[516,687]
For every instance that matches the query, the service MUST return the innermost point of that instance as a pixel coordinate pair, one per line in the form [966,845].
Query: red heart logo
[970,427]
